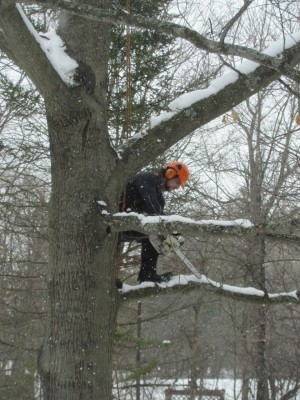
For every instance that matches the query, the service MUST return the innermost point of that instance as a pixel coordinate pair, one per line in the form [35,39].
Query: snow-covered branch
[289,230]
[121,16]
[193,110]
[189,227]
[23,45]
[179,282]
[54,49]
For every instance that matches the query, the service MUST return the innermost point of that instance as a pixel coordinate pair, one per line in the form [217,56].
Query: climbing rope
[128,76]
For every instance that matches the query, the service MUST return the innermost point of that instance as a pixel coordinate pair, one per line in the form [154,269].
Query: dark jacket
[143,194]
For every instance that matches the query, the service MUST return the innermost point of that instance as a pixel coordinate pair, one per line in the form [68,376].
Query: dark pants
[149,254]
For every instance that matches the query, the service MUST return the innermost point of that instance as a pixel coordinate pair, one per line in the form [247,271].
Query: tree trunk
[246,369]
[82,259]
[81,256]
[261,358]
[76,359]
[256,272]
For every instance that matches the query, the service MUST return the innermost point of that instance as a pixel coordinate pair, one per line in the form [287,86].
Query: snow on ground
[156,389]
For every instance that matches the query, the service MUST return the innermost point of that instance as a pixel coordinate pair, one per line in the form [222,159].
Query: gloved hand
[170,243]
[165,245]
[178,237]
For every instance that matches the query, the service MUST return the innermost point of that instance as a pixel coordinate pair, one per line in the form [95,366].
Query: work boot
[118,283]
[153,277]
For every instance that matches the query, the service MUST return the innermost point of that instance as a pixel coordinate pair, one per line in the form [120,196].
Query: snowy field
[156,390]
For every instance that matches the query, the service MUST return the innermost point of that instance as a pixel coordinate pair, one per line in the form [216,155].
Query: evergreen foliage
[149,55]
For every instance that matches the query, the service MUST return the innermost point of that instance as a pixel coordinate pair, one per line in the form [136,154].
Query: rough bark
[78,352]
[81,263]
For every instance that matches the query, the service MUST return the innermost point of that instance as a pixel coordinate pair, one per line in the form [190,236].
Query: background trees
[23,233]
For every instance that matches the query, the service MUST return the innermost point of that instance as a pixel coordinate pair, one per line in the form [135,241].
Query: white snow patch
[155,219]
[102,203]
[164,116]
[54,48]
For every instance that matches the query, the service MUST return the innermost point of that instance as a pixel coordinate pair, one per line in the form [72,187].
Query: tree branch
[149,225]
[121,16]
[190,282]
[212,103]
[21,47]
[291,393]
[233,20]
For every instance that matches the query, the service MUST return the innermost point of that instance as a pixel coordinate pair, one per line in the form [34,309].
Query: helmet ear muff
[170,173]
[177,169]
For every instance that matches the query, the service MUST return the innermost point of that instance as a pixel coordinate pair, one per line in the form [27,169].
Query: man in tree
[144,194]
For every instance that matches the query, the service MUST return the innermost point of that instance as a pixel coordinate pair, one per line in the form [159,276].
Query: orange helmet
[177,169]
